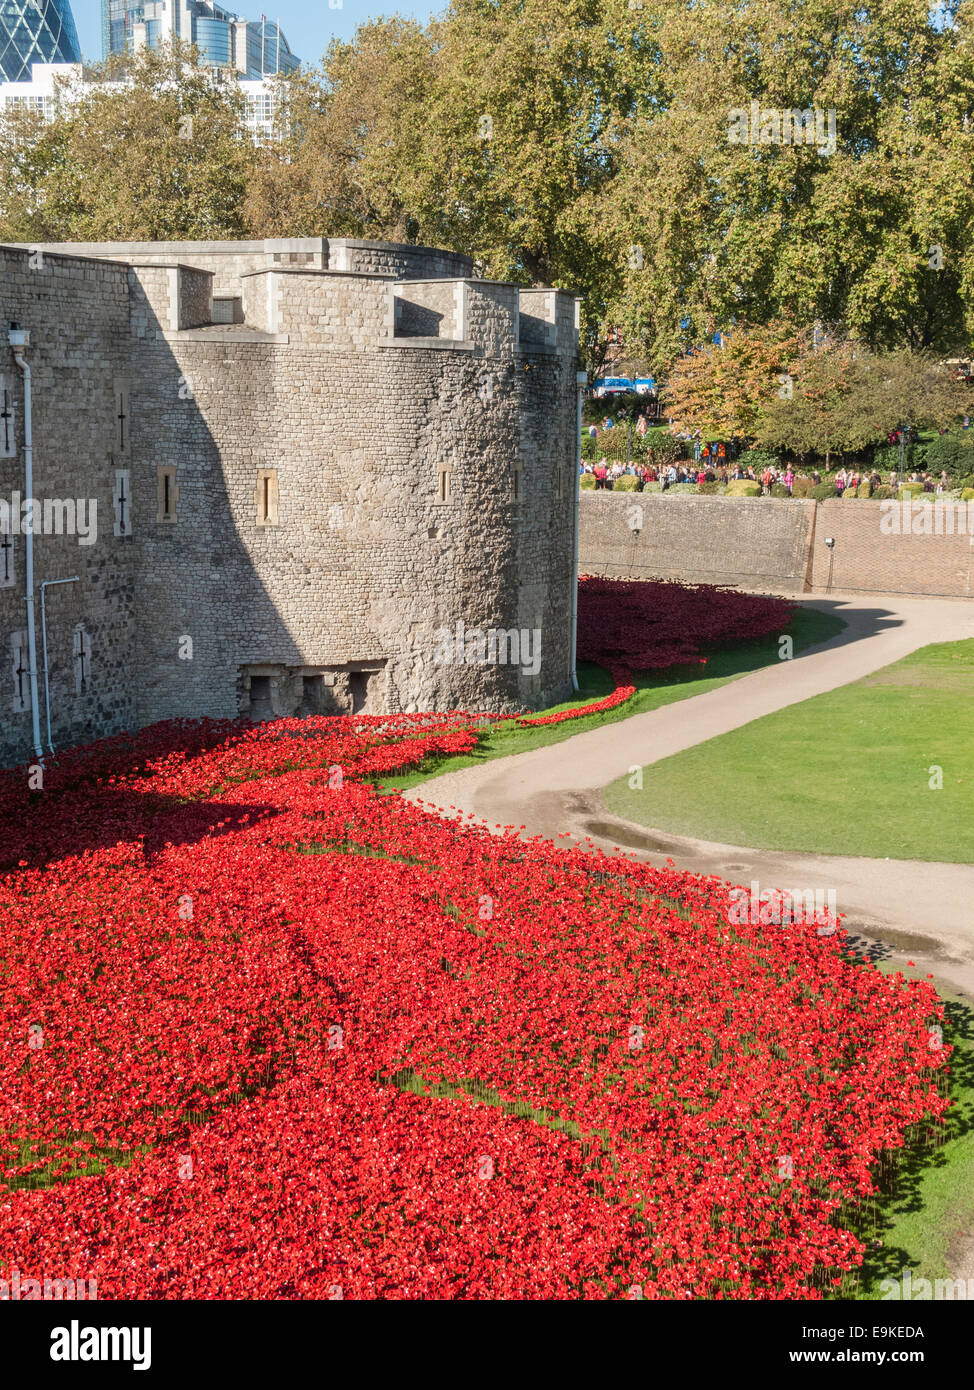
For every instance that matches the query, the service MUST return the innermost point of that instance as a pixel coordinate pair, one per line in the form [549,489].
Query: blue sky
[308,26]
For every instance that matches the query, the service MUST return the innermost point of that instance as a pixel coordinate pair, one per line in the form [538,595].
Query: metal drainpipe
[581,379]
[47,687]
[19,339]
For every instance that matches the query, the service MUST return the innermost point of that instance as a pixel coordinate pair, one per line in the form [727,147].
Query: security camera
[830,542]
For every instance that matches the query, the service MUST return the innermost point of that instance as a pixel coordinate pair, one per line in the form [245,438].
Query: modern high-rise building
[35,31]
[54,87]
[253,48]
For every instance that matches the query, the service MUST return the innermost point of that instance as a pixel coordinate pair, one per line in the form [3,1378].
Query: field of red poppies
[267,1033]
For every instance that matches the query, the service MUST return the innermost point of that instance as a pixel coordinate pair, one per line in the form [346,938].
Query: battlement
[231,260]
[337,293]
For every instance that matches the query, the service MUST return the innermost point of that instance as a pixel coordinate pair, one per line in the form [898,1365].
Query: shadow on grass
[903,1172]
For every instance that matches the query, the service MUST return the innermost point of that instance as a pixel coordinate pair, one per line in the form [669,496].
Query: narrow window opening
[267,497]
[6,422]
[167,495]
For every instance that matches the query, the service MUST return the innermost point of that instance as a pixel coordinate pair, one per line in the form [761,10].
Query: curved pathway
[901,909]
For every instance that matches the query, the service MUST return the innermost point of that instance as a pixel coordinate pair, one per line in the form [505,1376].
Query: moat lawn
[883,767]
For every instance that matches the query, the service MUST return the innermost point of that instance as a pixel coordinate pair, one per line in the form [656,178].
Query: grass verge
[881,768]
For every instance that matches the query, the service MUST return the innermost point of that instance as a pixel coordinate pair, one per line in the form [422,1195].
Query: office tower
[35,31]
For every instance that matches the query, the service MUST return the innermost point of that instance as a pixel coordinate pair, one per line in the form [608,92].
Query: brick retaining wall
[769,542]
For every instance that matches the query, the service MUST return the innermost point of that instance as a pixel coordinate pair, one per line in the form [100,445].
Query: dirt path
[902,909]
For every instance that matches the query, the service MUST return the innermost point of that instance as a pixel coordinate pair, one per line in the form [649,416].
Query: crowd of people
[668,474]
[651,470]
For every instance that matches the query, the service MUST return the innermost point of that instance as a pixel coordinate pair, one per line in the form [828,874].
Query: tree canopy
[589,144]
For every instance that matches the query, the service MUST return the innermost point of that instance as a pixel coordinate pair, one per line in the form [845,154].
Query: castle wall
[751,542]
[78,315]
[314,498]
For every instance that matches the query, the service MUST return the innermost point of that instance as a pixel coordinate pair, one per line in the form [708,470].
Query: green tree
[845,397]
[161,154]
[350,140]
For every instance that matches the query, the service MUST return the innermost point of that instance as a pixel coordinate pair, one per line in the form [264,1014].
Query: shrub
[627,483]
[711,489]
[587,481]
[823,491]
[683,487]
[967,495]
[779,490]
[883,493]
[948,452]
[802,487]
[743,487]
[653,487]
[908,490]
[760,459]
[865,488]
[657,435]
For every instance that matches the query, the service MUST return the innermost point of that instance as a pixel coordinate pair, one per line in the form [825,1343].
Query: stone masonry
[295,500]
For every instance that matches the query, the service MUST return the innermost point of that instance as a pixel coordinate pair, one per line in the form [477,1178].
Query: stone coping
[441,344]
[231,333]
[343,274]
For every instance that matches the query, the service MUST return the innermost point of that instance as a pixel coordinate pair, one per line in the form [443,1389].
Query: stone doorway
[358,689]
[261,708]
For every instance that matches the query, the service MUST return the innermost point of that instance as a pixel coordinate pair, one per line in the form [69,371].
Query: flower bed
[642,626]
[268,1034]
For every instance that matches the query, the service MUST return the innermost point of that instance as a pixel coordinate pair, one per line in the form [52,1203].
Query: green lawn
[849,772]
[653,689]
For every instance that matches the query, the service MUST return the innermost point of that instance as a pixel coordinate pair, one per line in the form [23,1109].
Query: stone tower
[327,476]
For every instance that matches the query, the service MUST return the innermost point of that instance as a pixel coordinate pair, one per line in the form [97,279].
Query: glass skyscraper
[254,48]
[35,31]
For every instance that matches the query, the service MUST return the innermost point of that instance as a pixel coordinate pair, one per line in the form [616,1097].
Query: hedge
[908,490]
[743,487]
[759,459]
[823,491]
[948,452]
[587,481]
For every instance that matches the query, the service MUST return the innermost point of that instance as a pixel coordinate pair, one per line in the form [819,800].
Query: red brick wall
[866,559]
